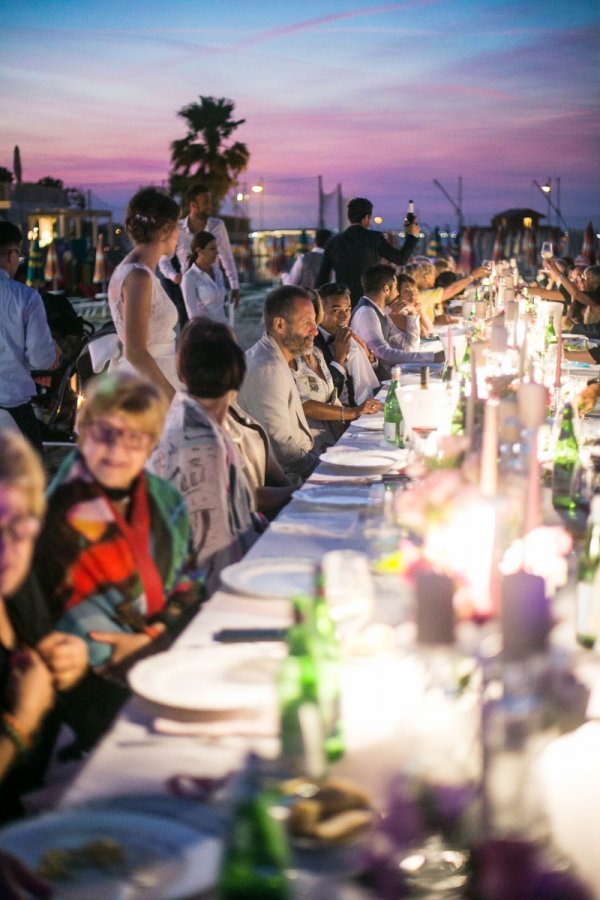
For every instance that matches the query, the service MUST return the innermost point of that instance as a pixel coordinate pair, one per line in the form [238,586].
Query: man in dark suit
[348,360]
[357,248]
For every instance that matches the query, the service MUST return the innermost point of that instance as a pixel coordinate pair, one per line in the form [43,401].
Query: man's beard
[297,345]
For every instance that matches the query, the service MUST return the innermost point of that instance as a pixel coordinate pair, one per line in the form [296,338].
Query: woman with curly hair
[144,316]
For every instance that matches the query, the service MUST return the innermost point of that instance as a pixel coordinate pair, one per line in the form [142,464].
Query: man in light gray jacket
[269,392]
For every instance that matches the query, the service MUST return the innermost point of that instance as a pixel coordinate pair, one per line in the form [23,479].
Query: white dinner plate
[223,678]
[279,578]
[346,497]
[369,423]
[164,858]
[364,461]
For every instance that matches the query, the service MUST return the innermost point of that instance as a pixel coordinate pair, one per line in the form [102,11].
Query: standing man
[306,268]
[198,201]
[25,339]
[269,393]
[350,253]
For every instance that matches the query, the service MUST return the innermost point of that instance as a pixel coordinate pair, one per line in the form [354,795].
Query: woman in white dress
[202,284]
[144,316]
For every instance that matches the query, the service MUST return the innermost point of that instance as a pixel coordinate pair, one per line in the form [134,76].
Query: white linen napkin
[316,523]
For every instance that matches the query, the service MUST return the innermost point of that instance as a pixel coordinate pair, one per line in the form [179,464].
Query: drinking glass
[547,251]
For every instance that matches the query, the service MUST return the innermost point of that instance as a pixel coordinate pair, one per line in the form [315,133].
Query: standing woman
[144,316]
[202,285]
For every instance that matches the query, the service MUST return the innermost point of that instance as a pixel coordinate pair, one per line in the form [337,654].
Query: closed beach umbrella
[35,268]
[465,260]
[528,247]
[589,245]
[51,271]
[498,245]
[100,263]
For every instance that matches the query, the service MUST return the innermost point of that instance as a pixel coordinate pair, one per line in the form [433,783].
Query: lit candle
[489,451]
[559,353]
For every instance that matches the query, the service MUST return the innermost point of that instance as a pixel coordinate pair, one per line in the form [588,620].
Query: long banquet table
[135,759]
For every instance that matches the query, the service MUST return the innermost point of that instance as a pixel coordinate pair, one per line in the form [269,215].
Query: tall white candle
[489,450]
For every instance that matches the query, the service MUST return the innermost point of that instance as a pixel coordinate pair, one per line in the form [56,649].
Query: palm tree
[206,155]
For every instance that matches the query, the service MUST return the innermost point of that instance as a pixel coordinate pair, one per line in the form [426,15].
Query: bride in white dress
[144,316]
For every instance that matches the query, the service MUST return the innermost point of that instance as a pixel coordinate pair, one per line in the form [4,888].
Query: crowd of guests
[185,449]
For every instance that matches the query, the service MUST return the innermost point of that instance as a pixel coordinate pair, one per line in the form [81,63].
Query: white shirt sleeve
[293,276]
[366,324]
[217,227]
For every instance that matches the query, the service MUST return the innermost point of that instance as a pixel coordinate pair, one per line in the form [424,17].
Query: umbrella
[589,244]
[498,245]
[465,260]
[51,271]
[99,276]
[35,269]
[434,242]
[17,170]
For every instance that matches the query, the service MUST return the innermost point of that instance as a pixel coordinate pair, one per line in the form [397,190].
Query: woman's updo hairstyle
[200,241]
[149,211]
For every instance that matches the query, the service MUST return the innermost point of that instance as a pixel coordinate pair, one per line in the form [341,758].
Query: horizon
[498,94]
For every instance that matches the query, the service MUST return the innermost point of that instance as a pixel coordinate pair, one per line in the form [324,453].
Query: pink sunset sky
[382,98]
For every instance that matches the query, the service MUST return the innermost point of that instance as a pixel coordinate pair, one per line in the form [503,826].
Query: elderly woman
[202,285]
[113,557]
[196,454]
[28,677]
[324,411]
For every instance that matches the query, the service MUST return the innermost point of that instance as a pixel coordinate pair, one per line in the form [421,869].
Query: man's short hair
[333,289]
[193,191]
[375,278]
[358,208]
[322,235]
[280,302]
[10,235]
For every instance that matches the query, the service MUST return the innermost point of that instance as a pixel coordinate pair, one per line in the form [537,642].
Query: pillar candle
[489,451]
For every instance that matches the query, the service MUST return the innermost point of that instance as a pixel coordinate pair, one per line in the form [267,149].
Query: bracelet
[15,731]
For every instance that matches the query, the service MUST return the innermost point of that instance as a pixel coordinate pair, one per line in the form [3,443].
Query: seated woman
[588,295]
[28,676]
[196,454]
[114,556]
[408,303]
[325,414]
[202,285]
[433,299]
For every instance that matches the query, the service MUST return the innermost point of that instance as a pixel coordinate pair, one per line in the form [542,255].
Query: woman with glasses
[114,556]
[30,672]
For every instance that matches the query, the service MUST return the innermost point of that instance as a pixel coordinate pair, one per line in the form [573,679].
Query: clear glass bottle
[588,581]
[392,414]
[328,652]
[566,459]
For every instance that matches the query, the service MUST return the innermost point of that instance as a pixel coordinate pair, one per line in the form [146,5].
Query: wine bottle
[588,581]
[566,459]
[424,377]
[256,852]
[328,653]
[392,414]
[410,214]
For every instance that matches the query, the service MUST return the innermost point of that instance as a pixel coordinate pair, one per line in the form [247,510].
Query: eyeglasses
[130,438]
[21,528]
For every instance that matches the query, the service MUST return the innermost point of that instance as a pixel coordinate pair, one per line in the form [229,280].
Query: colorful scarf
[102,572]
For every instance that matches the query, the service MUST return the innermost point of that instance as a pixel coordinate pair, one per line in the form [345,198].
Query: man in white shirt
[371,322]
[198,201]
[306,268]
[25,339]
[269,393]
[350,361]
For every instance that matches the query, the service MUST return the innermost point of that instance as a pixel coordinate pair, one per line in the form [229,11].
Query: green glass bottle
[392,414]
[588,581]
[256,853]
[550,337]
[328,650]
[458,423]
[301,723]
[566,459]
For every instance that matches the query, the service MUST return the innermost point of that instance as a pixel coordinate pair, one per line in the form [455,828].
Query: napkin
[264,724]
[319,524]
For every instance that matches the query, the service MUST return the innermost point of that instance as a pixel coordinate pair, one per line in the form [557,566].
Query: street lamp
[259,188]
[547,189]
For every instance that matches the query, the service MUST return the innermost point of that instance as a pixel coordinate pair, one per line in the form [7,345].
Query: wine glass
[547,251]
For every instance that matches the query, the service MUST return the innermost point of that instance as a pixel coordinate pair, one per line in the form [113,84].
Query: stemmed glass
[547,251]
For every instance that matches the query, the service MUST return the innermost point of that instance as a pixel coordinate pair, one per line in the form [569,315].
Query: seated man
[269,392]
[349,360]
[371,322]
